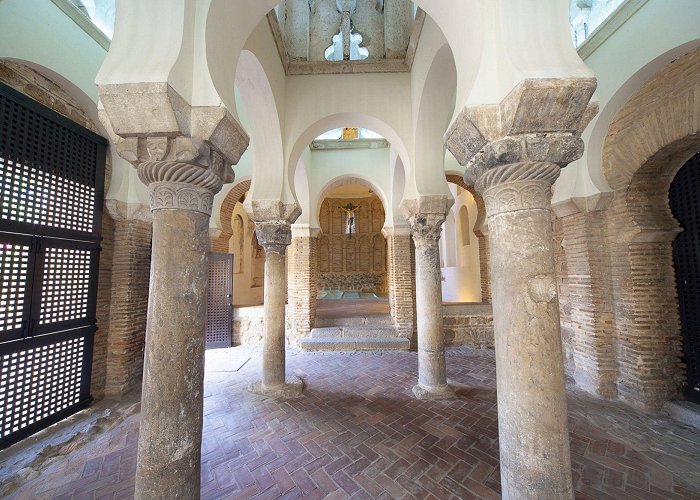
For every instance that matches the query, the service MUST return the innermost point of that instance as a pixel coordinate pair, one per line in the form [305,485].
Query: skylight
[100,12]
[336,134]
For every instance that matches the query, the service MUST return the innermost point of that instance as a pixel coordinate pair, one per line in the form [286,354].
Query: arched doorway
[352,249]
[685,205]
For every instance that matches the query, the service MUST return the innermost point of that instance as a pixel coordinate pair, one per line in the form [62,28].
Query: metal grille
[685,204]
[31,196]
[51,190]
[219,311]
[14,262]
[66,283]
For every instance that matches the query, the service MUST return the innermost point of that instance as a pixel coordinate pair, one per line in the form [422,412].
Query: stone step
[378,319]
[355,344]
[359,331]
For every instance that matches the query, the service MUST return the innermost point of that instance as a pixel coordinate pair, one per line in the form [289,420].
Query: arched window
[464,228]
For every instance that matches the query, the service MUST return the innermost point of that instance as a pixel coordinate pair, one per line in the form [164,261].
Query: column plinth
[426,227]
[275,237]
[532,409]
[170,432]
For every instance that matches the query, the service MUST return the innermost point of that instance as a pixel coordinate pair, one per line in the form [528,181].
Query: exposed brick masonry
[302,261]
[129,303]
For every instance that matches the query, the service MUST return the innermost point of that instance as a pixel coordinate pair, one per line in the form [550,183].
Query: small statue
[349,210]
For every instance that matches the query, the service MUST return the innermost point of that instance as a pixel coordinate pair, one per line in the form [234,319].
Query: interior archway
[649,140]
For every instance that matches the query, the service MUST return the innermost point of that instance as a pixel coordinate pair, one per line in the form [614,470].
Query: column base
[291,389]
[434,393]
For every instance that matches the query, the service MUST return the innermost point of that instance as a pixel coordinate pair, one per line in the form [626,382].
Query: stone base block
[434,393]
[292,388]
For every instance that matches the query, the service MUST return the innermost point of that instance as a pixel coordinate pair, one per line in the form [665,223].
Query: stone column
[275,236]
[425,216]
[513,152]
[532,411]
[170,433]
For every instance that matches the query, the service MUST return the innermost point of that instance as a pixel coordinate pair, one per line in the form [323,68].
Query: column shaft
[431,342]
[425,215]
[275,236]
[532,414]
[170,433]
[274,311]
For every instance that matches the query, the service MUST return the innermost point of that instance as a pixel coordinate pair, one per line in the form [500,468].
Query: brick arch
[657,123]
[236,194]
[648,141]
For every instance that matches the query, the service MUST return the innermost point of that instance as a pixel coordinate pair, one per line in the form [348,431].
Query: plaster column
[170,433]
[532,410]
[275,237]
[426,216]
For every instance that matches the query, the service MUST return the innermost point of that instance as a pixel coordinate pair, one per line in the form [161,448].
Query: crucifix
[349,210]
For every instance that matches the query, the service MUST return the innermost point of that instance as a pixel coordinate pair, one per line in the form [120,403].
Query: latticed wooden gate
[51,194]
[685,203]
[219,310]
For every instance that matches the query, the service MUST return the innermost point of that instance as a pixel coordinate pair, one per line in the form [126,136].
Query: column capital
[538,107]
[425,216]
[273,222]
[274,235]
[179,186]
[518,186]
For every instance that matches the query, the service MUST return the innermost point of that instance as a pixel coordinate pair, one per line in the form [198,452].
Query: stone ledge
[355,344]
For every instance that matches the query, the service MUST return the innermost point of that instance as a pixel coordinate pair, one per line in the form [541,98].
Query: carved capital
[179,186]
[260,211]
[151,122]
[535,106]
[274,235]
[558,149]
[520,186]
[425,216]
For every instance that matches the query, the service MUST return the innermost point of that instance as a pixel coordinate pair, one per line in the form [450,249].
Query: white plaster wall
[657,33]
[462,280]
[325,166]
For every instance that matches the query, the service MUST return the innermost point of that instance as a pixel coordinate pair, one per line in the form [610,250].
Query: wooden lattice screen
[51,194]
[219,311]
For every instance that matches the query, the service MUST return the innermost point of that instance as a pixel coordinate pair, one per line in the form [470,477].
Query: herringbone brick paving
[358,433]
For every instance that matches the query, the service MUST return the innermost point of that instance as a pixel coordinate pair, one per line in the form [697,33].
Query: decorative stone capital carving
[535,108]
[425,216]
[556,149]
[519,186]
[179,186]
[275,235]
[151,122]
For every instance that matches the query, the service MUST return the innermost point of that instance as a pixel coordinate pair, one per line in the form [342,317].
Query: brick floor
[358,433]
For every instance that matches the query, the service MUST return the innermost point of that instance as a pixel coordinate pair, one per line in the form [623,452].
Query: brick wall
[588,312]
[302,261]
[401,283]
[130,275]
